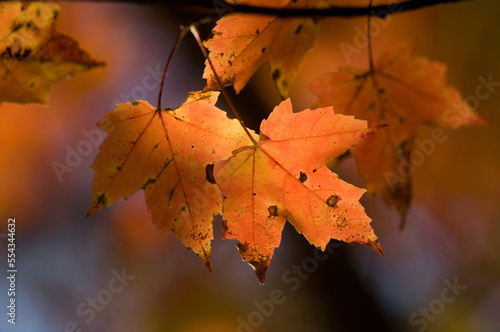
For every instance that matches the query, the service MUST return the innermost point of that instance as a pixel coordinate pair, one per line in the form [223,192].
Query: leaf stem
[196,34]
[182,33]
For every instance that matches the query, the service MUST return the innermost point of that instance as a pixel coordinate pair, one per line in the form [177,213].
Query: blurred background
[440,273]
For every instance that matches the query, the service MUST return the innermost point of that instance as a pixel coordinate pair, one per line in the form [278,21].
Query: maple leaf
[240,43]
[284,176]
[404,91]
[165,152]
[33,54]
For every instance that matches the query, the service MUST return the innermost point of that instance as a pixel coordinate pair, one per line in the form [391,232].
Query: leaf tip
[260,272]
[376,246]
[208,265]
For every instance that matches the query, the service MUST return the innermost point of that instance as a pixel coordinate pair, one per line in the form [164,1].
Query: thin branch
[182,33]
[369,34]
[334,11]
[196,35]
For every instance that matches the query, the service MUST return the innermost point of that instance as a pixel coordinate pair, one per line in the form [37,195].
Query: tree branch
[347,11]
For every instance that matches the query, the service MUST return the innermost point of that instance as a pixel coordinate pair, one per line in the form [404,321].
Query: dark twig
[334,11]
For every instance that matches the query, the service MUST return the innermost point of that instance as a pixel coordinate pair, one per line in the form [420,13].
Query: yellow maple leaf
[33,55]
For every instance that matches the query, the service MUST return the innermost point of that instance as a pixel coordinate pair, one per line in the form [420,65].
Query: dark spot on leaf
[332,201]
[314,170]
[102,200]
[273,211]
[16,26]
[183,208]
[254,194]
[242,247]
[297,31]
[192,146]
[263,49]
[119,167]
[401,119]
[303,177]
[276,74]
[341,223]
[257,32]
[209,171]
[381,90]
[149,182]
[136,103]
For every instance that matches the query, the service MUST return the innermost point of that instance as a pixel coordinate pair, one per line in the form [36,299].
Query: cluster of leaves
[193,162]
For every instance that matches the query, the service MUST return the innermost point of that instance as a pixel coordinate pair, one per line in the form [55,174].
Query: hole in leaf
[209,170]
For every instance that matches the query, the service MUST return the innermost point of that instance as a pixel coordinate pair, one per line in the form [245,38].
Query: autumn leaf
[33,54]
[240,43]
[165,153]
[405,91]
[284,177]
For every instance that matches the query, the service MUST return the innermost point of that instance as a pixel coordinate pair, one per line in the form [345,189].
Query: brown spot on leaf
[273,211]
[303,177]
[149,182]
[102,200]
[276,74]
[332,201]
[242,247]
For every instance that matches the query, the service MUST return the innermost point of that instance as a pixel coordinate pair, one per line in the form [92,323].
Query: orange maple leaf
[404,91]
[165,152]
[33,55]
[284,176]
[242,42]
